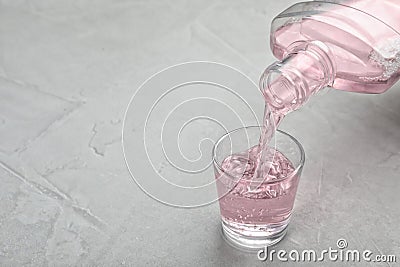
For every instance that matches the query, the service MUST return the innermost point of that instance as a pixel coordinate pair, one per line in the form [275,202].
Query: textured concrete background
[67,71]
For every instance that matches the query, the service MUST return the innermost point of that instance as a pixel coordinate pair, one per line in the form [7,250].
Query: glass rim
[294,172]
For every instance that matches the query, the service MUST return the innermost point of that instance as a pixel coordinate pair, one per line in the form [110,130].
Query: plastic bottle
[348,45]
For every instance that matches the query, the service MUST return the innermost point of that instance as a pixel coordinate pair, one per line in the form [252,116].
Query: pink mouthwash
[254,208]
[347,45]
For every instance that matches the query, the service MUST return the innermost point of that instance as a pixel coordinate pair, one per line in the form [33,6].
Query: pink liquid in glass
[256,204]
[362,54]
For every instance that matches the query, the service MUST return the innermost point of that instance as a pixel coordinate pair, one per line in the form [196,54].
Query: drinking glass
[255,212]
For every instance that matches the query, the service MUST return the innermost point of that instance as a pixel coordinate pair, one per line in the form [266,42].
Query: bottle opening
[288,84]
[279,88]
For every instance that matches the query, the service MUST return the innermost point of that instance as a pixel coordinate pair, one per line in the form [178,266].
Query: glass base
[251,240]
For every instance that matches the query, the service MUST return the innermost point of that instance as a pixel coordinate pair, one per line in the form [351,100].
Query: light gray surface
[67,71]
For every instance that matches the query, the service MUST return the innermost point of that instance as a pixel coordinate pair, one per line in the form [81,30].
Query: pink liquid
[269,201]
[363,39]
[260,202]
[366,53]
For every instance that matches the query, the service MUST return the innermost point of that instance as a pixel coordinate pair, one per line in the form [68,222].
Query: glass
[255,212]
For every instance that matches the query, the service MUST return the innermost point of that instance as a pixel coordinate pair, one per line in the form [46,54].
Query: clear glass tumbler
[255,212]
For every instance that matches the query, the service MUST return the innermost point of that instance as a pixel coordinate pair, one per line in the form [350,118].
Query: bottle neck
[306,68]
